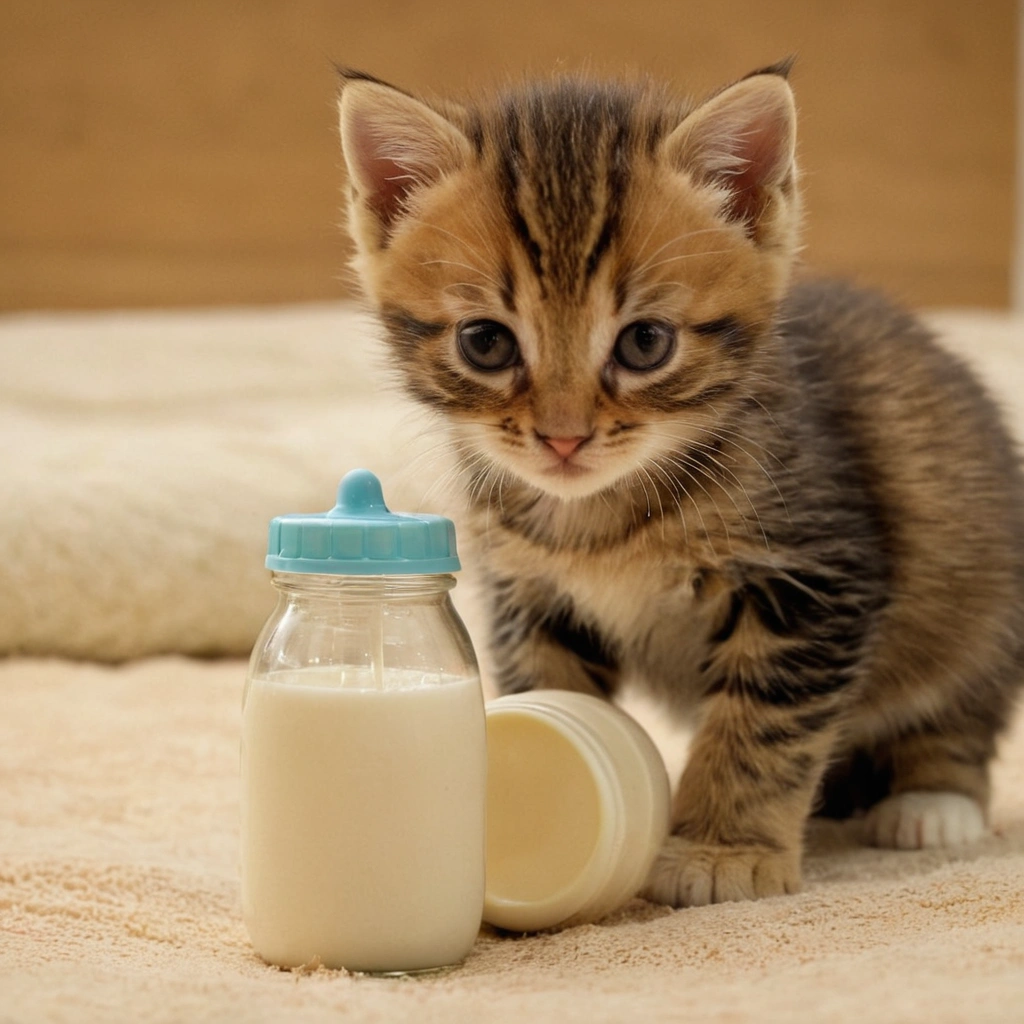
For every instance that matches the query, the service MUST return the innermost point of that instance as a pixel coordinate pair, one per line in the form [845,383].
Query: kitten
[781,505]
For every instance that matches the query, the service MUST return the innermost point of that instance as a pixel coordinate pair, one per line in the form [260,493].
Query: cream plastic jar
[577,809]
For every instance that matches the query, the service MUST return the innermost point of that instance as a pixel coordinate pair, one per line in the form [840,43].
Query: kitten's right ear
[394,145]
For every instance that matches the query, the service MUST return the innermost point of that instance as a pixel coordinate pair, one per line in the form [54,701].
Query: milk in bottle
[363,746]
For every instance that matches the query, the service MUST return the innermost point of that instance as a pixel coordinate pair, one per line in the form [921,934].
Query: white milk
[363,818]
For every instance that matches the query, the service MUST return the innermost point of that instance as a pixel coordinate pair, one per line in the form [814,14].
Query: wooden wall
[165,153]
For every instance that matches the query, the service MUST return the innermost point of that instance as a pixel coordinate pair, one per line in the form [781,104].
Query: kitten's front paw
[922,820]
[689,874]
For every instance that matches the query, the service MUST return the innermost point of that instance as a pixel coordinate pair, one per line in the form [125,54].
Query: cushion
[144,454]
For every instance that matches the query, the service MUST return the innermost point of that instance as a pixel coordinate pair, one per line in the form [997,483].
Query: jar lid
[361,536]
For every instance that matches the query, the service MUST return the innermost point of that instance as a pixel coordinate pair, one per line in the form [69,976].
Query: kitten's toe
[923,820]
[689,874]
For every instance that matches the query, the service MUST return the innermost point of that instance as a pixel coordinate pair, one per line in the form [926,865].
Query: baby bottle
[363,762]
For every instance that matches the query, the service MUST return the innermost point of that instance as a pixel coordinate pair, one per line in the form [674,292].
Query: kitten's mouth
[567,469]
[564,462]
[568,478]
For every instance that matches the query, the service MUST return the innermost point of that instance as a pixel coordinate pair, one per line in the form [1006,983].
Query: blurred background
[185,153]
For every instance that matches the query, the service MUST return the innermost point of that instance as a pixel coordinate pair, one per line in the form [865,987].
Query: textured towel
[119,897]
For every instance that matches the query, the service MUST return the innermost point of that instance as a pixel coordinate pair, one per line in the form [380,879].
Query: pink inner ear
[762,154]
[392,185]
[385,182]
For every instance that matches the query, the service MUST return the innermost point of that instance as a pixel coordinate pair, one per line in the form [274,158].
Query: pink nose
[564,446]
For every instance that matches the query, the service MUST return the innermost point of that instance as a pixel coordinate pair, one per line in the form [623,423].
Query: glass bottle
[363,746]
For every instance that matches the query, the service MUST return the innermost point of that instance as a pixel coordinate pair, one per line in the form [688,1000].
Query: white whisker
[684,466]
[685,256]
[464,266]
[462,241]
[661,507]
[660,470]
[703,471]
[645,266]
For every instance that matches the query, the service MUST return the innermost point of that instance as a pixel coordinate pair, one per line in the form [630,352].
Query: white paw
[922,820]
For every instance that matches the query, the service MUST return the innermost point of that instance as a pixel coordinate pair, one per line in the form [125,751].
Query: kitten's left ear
[393,145]
[742,140]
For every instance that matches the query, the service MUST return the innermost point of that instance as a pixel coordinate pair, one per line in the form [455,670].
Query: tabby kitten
[783,507]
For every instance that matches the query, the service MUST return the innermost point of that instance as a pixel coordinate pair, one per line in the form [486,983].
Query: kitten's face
[576,278]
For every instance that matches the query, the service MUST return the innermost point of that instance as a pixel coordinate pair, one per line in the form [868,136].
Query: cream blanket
[119,897]
[141,458]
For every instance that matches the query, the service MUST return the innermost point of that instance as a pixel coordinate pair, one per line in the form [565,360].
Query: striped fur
[801,529]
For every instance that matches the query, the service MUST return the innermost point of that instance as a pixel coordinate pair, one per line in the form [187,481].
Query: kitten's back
[945,483]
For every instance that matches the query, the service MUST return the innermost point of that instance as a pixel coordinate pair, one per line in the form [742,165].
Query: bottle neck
[369,588]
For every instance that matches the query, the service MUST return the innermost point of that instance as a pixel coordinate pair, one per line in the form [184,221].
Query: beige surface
[186,153]
[119,900]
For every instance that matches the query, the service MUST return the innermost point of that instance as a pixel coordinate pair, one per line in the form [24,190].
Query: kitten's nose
[563,446]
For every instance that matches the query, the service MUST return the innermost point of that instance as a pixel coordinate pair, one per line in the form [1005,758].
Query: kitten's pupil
[644,345]
[487,345]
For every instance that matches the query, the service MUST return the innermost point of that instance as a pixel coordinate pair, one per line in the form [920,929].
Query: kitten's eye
[644,345]
[488,345]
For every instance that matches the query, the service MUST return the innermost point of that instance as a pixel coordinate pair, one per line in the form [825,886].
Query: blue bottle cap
[360,536]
